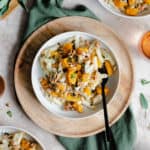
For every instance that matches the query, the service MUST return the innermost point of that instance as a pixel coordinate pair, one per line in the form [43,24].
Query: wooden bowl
[66,126]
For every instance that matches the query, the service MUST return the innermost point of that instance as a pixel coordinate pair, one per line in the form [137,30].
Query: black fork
[108,132]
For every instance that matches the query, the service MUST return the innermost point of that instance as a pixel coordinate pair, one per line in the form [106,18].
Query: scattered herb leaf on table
[143,101]
[144,82]
[9,113]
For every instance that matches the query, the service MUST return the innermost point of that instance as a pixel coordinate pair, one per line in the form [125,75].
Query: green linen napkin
[125,129]
[4,6]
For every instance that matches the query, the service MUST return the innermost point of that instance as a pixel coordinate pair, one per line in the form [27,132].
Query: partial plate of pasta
[12,138]
[127,8]
[66,74]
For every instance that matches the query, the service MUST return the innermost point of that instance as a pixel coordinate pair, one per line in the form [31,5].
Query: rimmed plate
[12,129]
[66,126]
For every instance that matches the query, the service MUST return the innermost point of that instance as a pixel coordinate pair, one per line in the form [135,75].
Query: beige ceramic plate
[67,126]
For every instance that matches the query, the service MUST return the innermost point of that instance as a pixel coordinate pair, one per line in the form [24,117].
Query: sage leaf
[9,113]
[143,101]
[144,82]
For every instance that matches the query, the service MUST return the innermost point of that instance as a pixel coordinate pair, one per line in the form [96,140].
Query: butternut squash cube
[131,2]
[72,98]
[54,53]
[61,87]
[85,77]
[147,2]
[120,3]
[78,66]
[132,11]
[65,63]
[109,67]
[67,47]
[55,94]
[25,144]
[87,91]
[99,90]
[78,107]
[82,50]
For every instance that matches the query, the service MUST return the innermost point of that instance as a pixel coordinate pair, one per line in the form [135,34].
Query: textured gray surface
[129,30]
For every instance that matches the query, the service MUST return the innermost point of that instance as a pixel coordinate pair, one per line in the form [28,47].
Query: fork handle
[109,134]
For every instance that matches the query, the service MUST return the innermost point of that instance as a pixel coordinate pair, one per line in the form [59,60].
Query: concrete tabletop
[130,31]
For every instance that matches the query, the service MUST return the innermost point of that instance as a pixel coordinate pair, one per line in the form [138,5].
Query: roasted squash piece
[109,67]
[61,87]
[87,91]
[53,93]
[132,11]
[120,3]
[25,144]
[82,50]
[65,63]
[131,2]
[67,47]
[44,83]
[78,107]
[72,98]
[54,53]
[147,2]
[78,67]
[99,90]
[85,77]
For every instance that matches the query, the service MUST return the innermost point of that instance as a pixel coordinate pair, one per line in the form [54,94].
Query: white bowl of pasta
[67,74]
[16,138]
[127,8]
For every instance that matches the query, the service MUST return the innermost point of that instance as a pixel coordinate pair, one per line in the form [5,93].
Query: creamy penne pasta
[17,141]
[130,7]
[72,73]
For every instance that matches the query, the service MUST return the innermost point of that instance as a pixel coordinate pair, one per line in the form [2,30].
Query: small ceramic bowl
[37,73]
[117,12]
[12,129]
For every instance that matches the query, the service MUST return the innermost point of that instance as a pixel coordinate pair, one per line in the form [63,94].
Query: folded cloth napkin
[124,130]
[4,6]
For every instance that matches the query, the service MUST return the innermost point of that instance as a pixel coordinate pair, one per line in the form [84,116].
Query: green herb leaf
[73,75]
[144,82]
[9,113]
[143,101]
